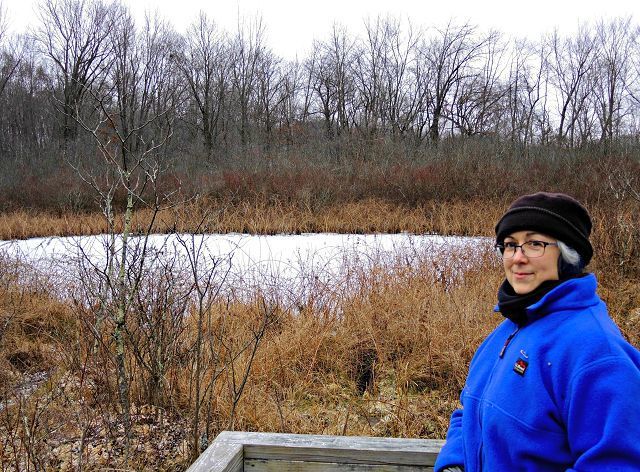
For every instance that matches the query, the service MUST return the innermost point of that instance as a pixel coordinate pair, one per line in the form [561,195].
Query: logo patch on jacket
[520,366]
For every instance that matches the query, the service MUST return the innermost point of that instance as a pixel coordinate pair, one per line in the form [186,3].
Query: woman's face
[524,273]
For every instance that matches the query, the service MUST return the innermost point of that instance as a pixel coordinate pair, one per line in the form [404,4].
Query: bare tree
[450,54]
[27,130]
[11,50]
[393,84]
[204,64]
[403,96]
[246,53]
[612,73]
[526,93]
[9,58]
[340,51]
[330,74]
[369,64]
[74,34]
[4,22]
[422,76]
[387,76]
[294,98]
[132,123]
[477,99]
[321,81]
[570,62]
[269,84]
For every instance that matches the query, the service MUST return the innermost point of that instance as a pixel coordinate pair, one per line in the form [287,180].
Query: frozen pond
[294,265]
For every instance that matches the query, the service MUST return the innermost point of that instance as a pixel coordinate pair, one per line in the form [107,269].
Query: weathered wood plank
[258,465]
[220,456]
[339,449]
[343,442]
[345,456]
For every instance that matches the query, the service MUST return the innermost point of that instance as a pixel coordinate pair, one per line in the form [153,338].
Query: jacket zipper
[500,356]
[506,343]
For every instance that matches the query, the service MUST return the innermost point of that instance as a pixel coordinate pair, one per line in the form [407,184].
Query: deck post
[220,456]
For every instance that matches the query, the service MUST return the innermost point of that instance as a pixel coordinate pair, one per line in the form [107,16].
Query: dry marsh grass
[270,217]
[390,361]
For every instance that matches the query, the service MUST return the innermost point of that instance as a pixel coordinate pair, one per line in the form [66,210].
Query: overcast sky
[293,24]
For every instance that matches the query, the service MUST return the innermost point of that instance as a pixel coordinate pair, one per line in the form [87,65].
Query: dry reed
[269,217]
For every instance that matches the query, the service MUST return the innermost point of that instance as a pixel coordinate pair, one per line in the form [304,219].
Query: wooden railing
[262,452]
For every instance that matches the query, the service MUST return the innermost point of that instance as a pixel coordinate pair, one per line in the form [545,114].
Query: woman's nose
[519,255]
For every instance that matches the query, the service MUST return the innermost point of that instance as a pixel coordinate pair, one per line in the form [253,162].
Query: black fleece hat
[556,214]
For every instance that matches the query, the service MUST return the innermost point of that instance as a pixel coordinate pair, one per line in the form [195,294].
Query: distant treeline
[89,85]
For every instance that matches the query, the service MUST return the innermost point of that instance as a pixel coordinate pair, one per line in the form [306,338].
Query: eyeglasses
[529,249]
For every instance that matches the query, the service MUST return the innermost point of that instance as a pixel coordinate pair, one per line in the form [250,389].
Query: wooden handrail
[237,451]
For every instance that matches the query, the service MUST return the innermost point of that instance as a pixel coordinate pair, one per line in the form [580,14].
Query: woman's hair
[569,255]
[569,263]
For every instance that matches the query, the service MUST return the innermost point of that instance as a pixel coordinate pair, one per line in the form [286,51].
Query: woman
[555,387]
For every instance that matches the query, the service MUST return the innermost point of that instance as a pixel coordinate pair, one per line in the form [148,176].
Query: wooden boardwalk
[273,452]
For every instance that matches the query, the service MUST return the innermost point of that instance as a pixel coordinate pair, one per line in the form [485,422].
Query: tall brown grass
[270,217]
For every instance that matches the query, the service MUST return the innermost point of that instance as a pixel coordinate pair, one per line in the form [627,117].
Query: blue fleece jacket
[563,395]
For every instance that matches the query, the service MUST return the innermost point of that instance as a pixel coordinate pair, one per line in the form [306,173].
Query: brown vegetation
[269,217]
[442,194]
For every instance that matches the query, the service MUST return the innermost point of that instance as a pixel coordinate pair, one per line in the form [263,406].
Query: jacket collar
[571,295]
